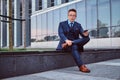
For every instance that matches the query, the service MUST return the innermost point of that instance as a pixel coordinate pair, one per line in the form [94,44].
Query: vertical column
[26,24]
[35,5]
[0,24]
[7,23]
[58,2]
[17,26]
[44,4]
[3,25]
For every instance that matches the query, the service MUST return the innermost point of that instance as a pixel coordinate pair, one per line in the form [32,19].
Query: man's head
[72,14]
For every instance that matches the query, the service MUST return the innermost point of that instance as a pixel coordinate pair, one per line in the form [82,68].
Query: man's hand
[69,42]
[86,33]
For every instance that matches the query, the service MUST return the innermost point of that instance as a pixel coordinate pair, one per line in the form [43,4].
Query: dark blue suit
[72,33]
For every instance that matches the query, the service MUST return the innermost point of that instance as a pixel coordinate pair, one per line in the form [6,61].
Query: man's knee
[86,39]
[74,47]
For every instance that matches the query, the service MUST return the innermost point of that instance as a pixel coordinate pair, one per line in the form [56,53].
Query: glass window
[63,14]
[103,18]
[64,1]
[33,28]
[80,7]
[56,23]
[92,17]
[115,12]
[115,8]
[38,28]
[116,31]
[50,26]
[40,4]
[91,14]
[44,27]
[71,6]
[52,2]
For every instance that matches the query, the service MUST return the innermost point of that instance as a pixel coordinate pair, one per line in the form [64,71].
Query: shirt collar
[70,22]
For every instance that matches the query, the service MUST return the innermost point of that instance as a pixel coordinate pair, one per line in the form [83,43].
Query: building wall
[22,9]
[100,17]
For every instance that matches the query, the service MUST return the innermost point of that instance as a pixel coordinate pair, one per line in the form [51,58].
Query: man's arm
[61,33]
[82,32]
[62,36]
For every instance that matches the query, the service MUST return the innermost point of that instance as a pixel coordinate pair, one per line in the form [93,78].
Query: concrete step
[106,70]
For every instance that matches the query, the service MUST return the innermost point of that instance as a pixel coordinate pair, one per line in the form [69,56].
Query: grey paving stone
[29,77]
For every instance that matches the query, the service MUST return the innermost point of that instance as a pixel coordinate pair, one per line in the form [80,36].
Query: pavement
[106,70]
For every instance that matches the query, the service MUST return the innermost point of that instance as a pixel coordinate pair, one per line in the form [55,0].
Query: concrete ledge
[21,63]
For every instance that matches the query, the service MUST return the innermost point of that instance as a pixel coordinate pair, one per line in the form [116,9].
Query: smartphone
[85,30]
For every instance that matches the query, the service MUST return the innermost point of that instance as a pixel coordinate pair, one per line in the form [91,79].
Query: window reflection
[103,18]
[33,28]
[51,38]
[38,28]
[80,7]
[116,31]
[102,29]
[91,14]
[50,23]
[103,32]
[115,6]
[93,33]
[94,15]
[56,20]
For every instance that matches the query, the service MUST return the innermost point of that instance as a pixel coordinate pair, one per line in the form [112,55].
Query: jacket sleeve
[81,30]
[61,33]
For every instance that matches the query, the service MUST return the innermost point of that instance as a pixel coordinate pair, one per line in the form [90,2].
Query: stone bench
[28,62]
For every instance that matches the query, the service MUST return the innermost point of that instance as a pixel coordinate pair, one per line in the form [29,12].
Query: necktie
[71,24]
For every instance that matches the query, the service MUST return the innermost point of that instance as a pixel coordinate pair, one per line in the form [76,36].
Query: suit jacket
[64,31]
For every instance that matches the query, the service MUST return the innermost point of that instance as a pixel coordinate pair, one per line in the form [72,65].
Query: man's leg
[81,41]
[76,55]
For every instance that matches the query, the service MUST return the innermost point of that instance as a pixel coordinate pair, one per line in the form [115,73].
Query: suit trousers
[75,52]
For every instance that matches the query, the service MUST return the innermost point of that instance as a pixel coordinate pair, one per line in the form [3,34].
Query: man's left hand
[86,33]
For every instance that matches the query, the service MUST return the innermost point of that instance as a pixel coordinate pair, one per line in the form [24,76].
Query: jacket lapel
[67,26]
[75,26]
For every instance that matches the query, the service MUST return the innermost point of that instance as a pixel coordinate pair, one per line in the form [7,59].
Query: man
[69,32]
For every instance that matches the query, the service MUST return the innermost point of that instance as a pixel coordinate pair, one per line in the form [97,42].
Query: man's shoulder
[63,22]
[77,23]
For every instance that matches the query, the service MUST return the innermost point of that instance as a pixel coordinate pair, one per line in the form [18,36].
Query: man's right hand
[69,42]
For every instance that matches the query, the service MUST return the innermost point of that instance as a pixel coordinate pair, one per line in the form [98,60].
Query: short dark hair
[74,10]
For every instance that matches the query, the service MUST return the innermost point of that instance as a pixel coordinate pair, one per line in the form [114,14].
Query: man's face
[72,16]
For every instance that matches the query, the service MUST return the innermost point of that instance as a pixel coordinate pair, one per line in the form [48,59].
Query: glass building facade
[22,9]
[100,17]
